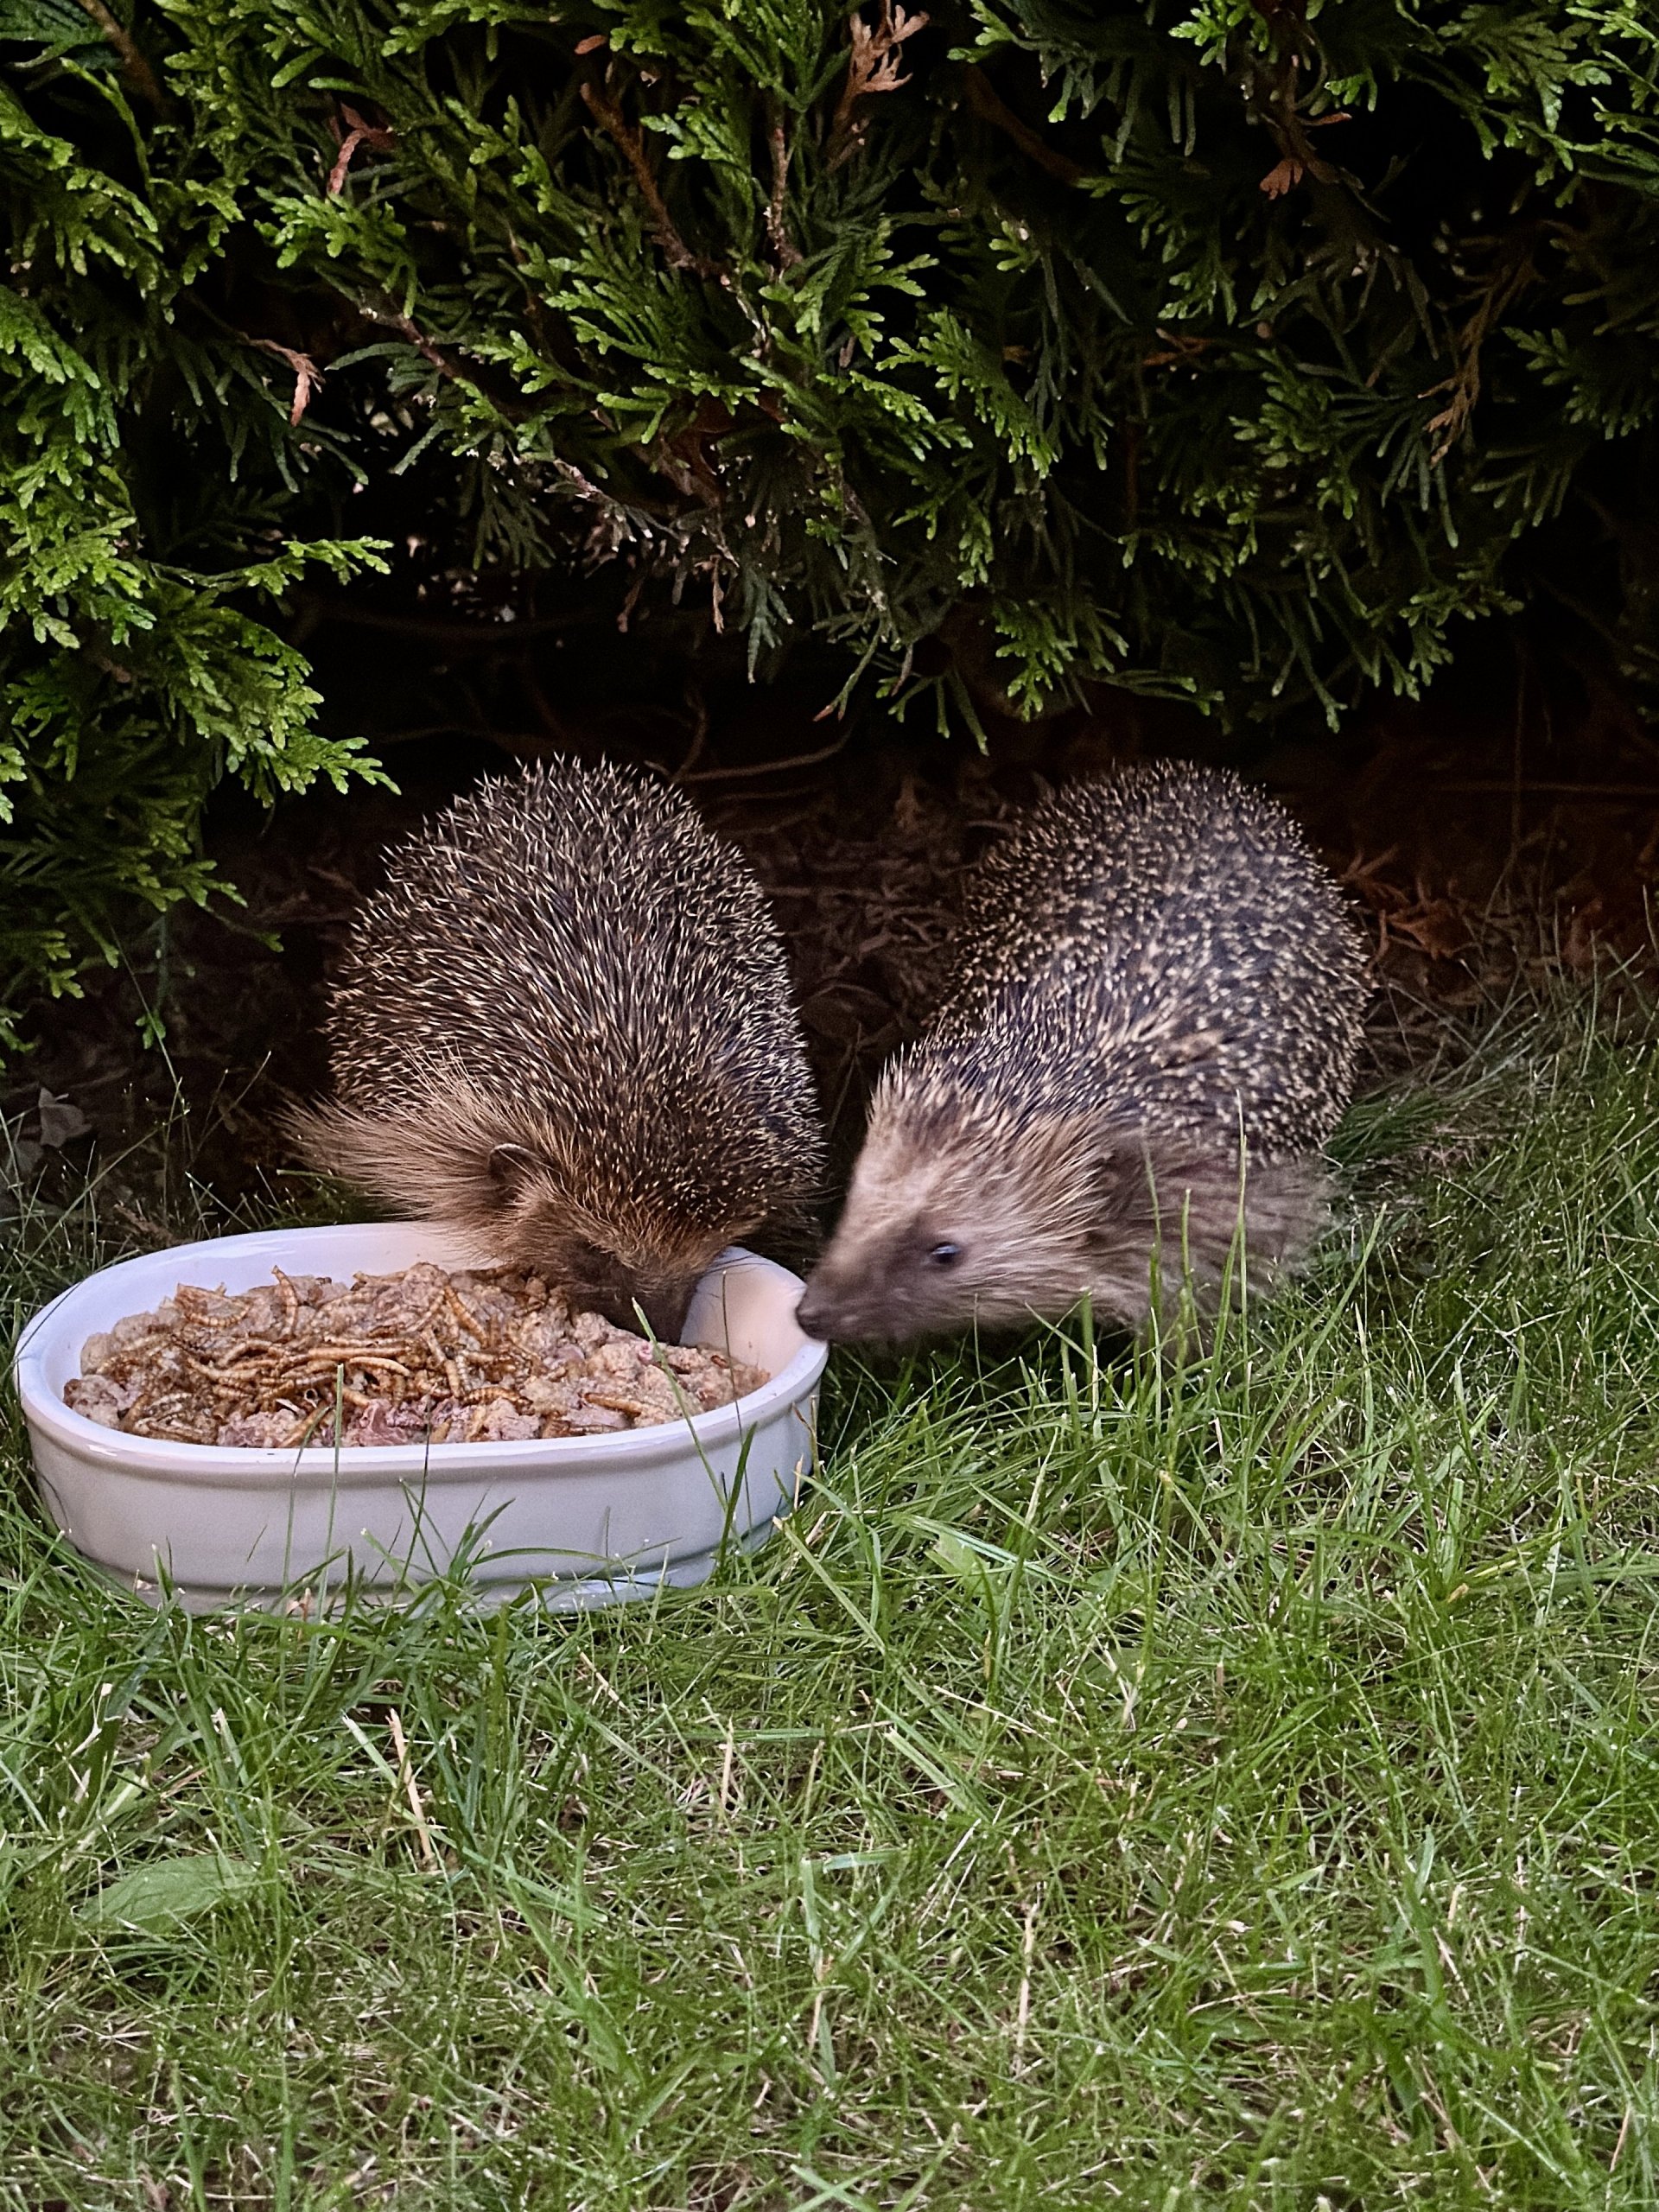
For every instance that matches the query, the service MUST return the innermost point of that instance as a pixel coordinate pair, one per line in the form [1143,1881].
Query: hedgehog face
[605,1267]
[993,1225]
[944,1234]
[600,1282]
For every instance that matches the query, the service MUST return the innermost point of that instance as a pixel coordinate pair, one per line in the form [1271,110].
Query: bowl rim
[332,1466]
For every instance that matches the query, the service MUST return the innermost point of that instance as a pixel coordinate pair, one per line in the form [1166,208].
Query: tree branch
[140,78]
[782,245]
[610,118]
[989,106]
[873,65]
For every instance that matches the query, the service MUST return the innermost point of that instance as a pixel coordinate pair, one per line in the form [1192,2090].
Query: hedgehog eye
[945,1256]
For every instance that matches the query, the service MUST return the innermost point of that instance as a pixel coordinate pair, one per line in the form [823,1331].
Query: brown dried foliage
[875,65]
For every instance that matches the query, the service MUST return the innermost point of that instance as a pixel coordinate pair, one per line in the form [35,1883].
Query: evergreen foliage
[142,468]
[1232,349]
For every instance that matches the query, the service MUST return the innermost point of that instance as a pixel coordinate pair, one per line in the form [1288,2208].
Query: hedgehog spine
[563,1028]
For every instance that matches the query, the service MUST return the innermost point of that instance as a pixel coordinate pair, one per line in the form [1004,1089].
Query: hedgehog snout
[835,1305]
[833,1319]
[820,1314]
[622,1297]
[598,1280]
[662,1307]
[908,1288]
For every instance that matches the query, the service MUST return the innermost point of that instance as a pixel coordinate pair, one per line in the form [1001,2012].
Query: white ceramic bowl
[593,1517]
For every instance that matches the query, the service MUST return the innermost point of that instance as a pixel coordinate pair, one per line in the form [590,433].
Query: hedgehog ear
[512,1166]
[1106,1181]
[1147,1174]
[1119,1177]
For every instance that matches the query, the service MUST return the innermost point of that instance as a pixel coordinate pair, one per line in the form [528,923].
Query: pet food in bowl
[587,1517]
[489,1355]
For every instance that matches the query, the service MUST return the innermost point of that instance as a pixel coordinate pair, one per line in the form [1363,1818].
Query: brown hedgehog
[565,1028]
[1150,1029]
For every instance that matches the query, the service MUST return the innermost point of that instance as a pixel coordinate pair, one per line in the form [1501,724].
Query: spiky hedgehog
[564,1028]
[1150,1029]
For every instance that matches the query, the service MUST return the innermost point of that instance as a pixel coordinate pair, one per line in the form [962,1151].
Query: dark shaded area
[1512,817]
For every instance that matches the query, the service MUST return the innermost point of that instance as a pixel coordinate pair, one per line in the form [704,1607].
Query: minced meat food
[488,1355]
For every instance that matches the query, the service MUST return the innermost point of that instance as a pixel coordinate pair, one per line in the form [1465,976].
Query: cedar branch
[610,118]
[1514,273]
[873,65]
[988,104]
[360,133]
[307,375]
[139,76]
[783,246]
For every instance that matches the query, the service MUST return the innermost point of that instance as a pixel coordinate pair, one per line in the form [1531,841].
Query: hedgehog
[563,1028]
[1149,1028]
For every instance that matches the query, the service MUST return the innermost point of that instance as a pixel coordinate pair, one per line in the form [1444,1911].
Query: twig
[1623,2131]
[518,745]
[422,345]
[141,78]
[359,133]
[1183,347]
[1646,791]
[726,1772]
[1297,63]
[416,337]
[989,106]
[307,375]
[765,767]
[694,699]
[1513,273]
[1022,2013]
[411,1788]
[823,1966]
[610,118]
[782,245]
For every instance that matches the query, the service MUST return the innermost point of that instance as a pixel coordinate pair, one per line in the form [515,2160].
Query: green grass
[1237,1787]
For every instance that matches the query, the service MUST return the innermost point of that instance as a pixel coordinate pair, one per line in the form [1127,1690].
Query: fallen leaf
[164,1892]
[21,1158]
[961,1558]
[1437,929]
[61,1122]
[981,1575]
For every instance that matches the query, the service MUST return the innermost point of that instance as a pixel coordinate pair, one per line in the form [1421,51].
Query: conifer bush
[1234,350]
[143,470]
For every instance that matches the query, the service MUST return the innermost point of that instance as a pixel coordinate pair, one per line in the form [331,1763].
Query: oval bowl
[590,1518]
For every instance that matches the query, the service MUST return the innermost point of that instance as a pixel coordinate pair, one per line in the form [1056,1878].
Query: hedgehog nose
[664,1310]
